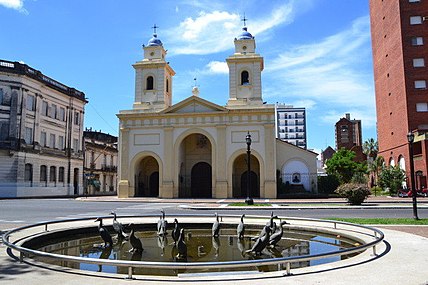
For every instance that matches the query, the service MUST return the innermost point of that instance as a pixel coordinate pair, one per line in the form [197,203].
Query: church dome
[154,41]
[245,35]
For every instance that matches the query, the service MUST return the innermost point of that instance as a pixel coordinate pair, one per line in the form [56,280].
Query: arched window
[28,175]
[43,174]
[52,174]
[245,78]
[61,174]
[149,83]
[167,85]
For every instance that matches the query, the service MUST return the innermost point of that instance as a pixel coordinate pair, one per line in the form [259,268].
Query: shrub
[327,184]
[355,193]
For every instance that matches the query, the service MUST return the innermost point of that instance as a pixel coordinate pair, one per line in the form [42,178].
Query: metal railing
[376,236]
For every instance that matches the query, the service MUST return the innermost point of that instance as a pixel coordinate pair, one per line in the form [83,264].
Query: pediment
[194,104]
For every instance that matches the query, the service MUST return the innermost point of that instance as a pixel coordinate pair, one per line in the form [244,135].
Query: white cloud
[334,72]
[14,4]
[212,32]
[217,67]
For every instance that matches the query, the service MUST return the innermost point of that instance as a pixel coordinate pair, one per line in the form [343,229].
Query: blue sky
[317,52]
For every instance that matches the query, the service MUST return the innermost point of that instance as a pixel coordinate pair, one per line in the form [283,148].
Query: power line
[99,115]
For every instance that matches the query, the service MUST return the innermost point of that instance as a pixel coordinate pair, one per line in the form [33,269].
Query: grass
[383,221]
[243,204]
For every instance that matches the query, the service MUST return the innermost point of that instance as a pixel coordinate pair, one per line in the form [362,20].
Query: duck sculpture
[216,227]
[240,229]
[104,233]
[261,242]
[162,224]
[175,231]
[137,245]
[118,227]
[181,246]
[277,236]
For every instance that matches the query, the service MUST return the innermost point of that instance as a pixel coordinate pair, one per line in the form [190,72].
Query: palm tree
[370,148]
[374,167]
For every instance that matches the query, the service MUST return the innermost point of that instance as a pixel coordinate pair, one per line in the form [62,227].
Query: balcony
[108,168]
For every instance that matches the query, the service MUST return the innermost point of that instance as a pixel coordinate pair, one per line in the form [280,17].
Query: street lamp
[248,200]
[410,139]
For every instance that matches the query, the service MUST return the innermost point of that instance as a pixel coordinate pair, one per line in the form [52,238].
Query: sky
[317,53]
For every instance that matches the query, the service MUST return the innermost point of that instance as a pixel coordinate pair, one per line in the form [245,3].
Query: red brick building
[349,136]
[399,31]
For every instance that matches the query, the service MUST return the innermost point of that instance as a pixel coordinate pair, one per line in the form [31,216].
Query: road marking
[221,201]
[16,221]
[267,200]
[223,206]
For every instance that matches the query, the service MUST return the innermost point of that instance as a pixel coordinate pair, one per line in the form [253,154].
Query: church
[198,149]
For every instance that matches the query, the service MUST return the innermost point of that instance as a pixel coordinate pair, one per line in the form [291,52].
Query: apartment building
[291,124]
[399,31]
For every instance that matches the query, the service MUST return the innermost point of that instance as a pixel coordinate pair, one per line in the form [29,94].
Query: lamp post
[248,200]
[410,139]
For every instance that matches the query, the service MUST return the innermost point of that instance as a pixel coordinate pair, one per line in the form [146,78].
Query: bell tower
[153,77]
[245,67]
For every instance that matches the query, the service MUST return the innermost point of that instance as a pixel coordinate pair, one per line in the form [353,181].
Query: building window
[28,174]
[61,174]
[28,135]
[418,62]
[414,1]
[61,142]
[43,138]
[43,174]
[167,85]
[149,83]
[5,98]
[245,78]
[52,174]
[45,108]
[417,41]
[421,107]
[61,114]
[76,118]
[52,140]
[53,111]
[4,130]
[415,20]
[30,103]
[75,145]
[420,84]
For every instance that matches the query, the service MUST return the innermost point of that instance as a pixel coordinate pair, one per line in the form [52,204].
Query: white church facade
[197,149]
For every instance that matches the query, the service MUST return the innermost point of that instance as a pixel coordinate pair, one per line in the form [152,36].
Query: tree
[391,177]
[370,148]
[342,165]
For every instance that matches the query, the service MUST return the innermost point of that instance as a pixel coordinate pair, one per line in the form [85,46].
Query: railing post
[287,267]
[374,246]
[129,273]
[21,256]
[46,227]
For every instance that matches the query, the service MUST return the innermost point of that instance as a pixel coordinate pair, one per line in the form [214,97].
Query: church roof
[245,35]
[154,41]
[194,104]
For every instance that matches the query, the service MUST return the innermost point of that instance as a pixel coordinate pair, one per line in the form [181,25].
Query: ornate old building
[196,148]
[41,122]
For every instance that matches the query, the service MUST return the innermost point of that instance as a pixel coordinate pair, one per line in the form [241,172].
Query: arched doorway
[254,184]
[195,171]
[240,176]
[147,178]
[201,180]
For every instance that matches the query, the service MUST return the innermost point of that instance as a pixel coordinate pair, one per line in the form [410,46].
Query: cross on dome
[154,28]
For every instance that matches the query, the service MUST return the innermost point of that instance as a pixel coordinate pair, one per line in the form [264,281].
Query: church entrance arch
[201,183]
[147,178]
[195,167]
[240,177]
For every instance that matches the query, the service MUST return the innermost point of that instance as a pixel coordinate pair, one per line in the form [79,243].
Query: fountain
[202,246]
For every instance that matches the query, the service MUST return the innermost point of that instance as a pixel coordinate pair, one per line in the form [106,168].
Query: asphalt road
[18,212]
